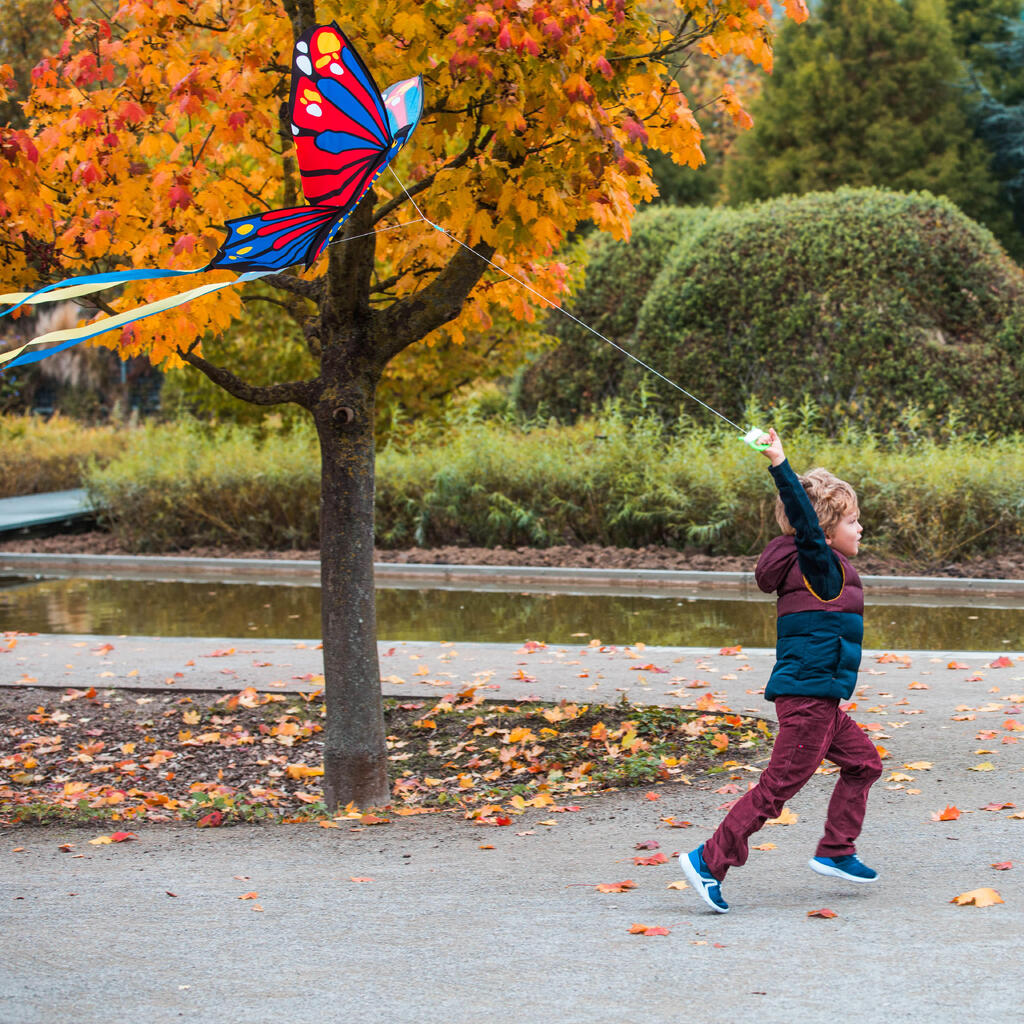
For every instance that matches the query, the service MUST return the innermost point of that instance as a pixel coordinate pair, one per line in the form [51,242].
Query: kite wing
[346,132]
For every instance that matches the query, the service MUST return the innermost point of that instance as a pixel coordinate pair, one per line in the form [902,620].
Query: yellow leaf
[978,898]
[787,817]
[985,766]
[677,885]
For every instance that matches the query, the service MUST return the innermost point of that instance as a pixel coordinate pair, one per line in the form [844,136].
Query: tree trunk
[355,752]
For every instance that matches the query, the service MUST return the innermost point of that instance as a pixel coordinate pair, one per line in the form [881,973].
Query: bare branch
[302,393]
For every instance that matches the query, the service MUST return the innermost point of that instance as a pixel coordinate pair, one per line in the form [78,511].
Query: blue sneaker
[848,867]
[704,883]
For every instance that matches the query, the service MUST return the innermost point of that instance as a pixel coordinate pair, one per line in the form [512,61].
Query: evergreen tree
[999,122]
[869,93]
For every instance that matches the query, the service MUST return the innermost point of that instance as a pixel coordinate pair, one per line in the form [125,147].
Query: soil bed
[127,756]
[1003,565]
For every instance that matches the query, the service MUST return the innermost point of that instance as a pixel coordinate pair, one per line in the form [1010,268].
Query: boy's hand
[774,452]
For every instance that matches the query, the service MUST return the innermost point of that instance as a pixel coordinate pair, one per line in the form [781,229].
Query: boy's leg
[805,733]
[860,766]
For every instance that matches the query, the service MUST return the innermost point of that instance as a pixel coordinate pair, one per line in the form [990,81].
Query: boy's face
[845,537]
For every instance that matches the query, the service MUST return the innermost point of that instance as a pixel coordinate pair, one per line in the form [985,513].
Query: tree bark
[355,751]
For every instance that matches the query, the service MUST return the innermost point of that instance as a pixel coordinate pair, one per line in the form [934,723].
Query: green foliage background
[865,300]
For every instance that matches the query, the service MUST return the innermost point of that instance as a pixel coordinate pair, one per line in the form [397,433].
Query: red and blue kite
[346,131]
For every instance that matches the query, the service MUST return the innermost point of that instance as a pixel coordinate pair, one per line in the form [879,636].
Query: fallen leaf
[997,806]
[647,862]
[211,820]
[951,813]
[919,766]
[678,885]
[978,898]
[356,878]
[643,929]
[648,844]
[673,823]
[823,912]
[765,846]
[787,817]
[616,886]
[985,766]
[1004,865]
[957,665]
[1001,662]
[250,896]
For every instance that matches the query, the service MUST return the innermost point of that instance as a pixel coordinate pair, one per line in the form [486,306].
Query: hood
[775,563]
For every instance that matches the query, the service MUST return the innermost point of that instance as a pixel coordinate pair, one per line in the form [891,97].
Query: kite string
[561,309]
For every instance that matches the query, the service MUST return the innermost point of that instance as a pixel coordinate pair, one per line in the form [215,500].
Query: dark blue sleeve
[818,562]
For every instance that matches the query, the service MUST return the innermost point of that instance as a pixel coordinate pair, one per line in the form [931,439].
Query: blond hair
[831,497]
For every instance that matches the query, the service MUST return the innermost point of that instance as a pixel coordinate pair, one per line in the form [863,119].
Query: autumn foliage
[149,129]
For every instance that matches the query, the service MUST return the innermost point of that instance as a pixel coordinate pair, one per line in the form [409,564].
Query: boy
[820,629]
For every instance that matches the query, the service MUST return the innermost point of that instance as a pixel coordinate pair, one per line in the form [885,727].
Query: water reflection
[159,608]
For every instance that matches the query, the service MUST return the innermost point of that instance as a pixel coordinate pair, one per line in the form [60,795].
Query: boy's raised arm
[819,565]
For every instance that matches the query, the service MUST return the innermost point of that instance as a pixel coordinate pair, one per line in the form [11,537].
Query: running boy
[820,629]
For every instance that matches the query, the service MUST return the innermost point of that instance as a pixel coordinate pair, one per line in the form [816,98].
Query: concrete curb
[307,572]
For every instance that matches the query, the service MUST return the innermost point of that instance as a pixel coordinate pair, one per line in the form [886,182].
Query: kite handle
[753,438]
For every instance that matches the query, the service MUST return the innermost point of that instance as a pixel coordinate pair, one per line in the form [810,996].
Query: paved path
[452,930]
[32,510]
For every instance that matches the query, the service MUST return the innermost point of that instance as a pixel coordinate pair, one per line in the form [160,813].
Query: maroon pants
[810,729]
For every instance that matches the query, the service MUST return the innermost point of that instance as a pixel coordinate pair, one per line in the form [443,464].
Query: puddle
[160,608]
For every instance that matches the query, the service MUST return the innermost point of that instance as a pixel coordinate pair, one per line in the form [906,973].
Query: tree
[869,94]
[148,130]
[999,121]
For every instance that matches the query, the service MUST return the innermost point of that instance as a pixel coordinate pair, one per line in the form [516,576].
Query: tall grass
[39,455]
[614,480]
[188,484]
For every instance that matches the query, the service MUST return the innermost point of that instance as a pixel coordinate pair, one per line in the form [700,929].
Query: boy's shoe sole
[834,872]
[699,884]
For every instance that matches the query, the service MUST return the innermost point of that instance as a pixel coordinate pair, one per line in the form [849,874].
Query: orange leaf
[730,651]
[1004,865]
[978,898]
[356,878]
[957,665]
[648,862]
[719,741]
[616,886]
[250,896]
[643,929]
[951,813]
[652,796]
[824,912]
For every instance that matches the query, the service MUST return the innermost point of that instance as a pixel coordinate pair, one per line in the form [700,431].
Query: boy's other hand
[774,452]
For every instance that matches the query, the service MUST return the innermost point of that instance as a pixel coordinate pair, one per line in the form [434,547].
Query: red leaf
[1004,865]
[211,820]
[1001,662]
[824,912]
[122,837]
[951,813]
[647,862]
[648,844]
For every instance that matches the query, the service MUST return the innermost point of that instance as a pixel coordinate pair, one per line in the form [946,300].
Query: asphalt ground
[433,919]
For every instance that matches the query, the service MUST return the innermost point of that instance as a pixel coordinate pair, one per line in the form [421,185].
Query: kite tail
[97,282]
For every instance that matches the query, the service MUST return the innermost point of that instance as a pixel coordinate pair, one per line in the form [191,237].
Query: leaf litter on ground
[130,756]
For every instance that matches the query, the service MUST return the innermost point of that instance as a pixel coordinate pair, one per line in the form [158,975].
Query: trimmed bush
[583,371]
[865,300]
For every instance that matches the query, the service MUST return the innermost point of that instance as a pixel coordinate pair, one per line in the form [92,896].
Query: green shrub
[865,300]
[616,480]
[189,484]
[39,455]
[584,371]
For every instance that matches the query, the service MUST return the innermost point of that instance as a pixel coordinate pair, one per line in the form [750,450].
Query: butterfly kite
[346,131]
